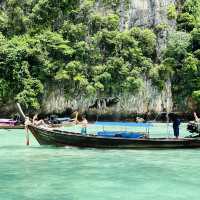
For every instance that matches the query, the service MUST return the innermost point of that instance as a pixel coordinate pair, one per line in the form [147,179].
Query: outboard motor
[193,127]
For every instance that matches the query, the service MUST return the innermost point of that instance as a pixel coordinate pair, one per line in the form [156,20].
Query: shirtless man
[37,122]
[196,118]
[84,124]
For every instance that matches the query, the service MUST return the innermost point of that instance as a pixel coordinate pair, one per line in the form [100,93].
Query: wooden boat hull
[63,138]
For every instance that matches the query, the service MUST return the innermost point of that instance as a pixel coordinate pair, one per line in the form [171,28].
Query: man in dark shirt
[176,124]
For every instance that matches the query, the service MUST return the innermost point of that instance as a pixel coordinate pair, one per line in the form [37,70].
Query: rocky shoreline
[100,115]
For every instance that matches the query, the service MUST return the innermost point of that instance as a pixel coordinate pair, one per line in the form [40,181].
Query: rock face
[142,13]
[147,99]
[149,13]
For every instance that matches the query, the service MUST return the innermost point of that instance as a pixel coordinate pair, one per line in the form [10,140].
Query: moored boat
[7,122]
[47,136]
[12,127]
[55,121]
[10,124]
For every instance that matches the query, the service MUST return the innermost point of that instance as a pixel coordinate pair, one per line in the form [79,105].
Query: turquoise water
[48,173]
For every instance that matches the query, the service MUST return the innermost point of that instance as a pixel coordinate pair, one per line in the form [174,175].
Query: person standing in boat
[79,119]
[196,118]
[84,124]
[176,124]
[197,121]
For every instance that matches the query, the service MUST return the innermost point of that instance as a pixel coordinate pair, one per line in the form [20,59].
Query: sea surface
[48,173]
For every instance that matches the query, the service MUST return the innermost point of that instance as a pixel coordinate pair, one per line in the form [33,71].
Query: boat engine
[193,127]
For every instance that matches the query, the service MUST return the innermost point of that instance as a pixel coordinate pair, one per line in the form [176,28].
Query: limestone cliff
[142,13]
[147,99]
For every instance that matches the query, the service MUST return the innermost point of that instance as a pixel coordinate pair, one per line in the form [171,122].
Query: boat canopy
[135,124]
[62,118]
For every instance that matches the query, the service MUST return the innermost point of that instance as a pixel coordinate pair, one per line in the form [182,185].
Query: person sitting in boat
[75,119]
[139,119]
[37,122]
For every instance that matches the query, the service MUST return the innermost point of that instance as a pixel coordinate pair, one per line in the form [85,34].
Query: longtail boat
[46,136]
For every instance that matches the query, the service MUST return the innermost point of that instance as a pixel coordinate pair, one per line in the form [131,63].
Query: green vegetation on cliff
[182,56]
[43,41]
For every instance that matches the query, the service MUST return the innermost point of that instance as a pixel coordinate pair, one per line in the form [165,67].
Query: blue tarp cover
[123,134]
[139,124]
